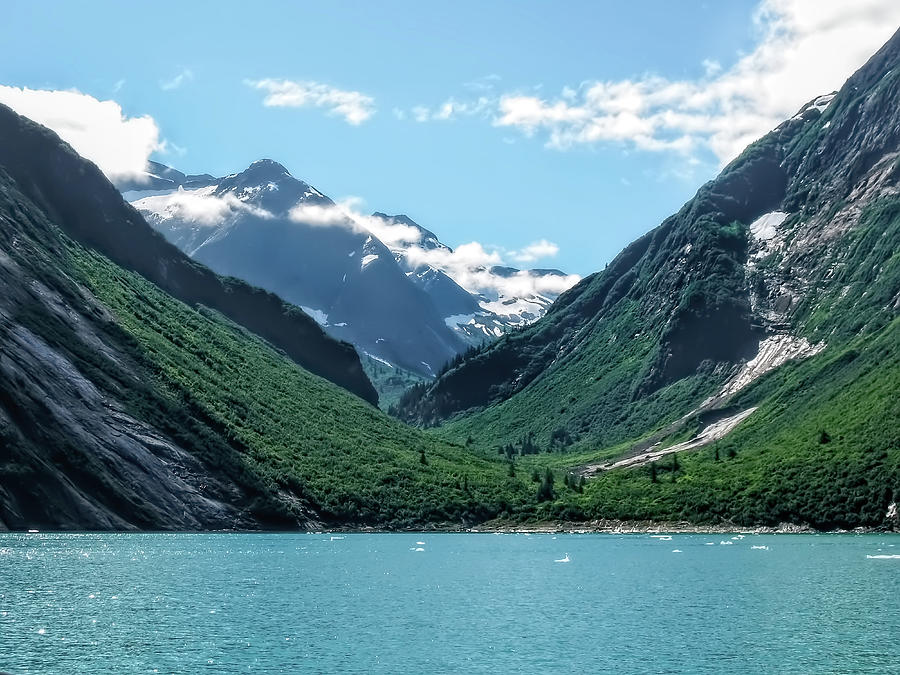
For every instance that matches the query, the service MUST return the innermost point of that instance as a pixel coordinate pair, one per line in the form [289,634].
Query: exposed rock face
[71,457]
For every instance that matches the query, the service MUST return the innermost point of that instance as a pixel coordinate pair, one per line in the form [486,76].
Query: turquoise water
[271,603]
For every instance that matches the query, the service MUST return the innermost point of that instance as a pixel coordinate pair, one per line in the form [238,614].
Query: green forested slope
[650,339]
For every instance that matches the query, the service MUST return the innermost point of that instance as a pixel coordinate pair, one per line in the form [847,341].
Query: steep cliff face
[79,199]
[74,453]
[792,248]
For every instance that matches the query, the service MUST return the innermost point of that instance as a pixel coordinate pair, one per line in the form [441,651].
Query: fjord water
[448,602]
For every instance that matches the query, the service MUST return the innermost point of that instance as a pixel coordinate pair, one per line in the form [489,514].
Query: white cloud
[469,264]
[186,75]
[535,251]
[355,107]
[711,67]
[199,207]
[97,130]
[421,113]
[806,49]
[452,109]
[345,213]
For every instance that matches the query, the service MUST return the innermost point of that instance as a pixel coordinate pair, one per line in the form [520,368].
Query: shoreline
[612,527]
[546,527]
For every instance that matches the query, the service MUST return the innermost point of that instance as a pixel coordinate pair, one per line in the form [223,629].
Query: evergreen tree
[545,491]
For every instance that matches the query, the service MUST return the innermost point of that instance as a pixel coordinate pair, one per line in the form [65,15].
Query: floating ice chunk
[564,560]
[884,556]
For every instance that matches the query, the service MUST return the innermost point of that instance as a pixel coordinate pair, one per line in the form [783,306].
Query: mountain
[94,213]
[278,232]
[762,319]
[140,391]
[265,226]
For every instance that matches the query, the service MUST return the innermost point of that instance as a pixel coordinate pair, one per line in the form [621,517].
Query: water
[272,603]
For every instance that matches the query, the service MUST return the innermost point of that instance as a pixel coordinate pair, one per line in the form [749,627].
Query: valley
[738,364]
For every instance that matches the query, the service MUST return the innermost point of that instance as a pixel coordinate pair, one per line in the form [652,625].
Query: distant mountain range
[388,298]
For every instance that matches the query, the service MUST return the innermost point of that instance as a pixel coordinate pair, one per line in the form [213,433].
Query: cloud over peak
[354,106]
[468,264]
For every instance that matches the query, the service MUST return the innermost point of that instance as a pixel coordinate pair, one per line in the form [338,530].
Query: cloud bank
[354,106]
[97,130]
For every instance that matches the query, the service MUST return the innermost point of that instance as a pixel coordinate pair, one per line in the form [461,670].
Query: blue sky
[580,125]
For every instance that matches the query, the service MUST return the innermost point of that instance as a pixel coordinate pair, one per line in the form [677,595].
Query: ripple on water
[475,603]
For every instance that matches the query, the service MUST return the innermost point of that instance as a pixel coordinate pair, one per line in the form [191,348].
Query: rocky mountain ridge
[280,233]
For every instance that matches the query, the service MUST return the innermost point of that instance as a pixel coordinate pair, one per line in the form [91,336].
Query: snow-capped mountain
[399,304]
[495,298]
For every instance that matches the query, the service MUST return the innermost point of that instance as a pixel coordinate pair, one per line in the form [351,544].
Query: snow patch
[367,260]
[822,102]
[379,359]
[317,314]
[819,104]
[456,320]
[773,352]
[712,432]
[766,226]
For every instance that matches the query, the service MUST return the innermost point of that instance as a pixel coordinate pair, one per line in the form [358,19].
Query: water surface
[360,603]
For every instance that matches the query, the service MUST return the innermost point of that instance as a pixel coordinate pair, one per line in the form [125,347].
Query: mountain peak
[265,169]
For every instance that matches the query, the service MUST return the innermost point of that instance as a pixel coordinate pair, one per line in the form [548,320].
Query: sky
[539,134]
